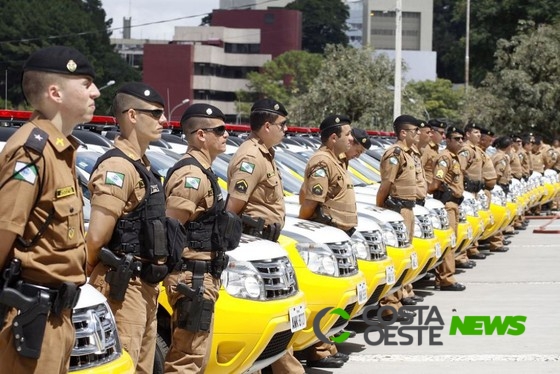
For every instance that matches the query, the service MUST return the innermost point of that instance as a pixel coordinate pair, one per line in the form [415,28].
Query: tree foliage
[323,22]
[351,82]
[33,24]
[490,21]
[437,99]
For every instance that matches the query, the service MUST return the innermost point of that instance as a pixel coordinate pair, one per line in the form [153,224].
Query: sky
[159,13]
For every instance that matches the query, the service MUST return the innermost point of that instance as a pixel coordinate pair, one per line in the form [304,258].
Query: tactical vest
[141,232]
[215,229]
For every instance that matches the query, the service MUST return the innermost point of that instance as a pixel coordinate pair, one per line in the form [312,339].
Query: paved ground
[524,281]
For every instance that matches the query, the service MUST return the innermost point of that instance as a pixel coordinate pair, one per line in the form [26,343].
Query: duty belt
[408,204]
[66,297]
[420,202]
[190,265]
[456,200]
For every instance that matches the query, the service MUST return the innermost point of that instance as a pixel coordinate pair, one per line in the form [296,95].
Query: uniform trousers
[408,215]
[189,351]
[496,241]
[321,350]
[56,348]
[288,364]
[445,270]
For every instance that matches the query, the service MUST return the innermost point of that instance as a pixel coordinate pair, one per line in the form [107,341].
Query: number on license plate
[438,250]
[414,260]
[390,274]
[297,318]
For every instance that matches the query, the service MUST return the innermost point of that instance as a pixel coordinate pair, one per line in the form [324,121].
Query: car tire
[161,352]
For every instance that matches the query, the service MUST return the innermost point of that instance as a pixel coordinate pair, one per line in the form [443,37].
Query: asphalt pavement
[521,282]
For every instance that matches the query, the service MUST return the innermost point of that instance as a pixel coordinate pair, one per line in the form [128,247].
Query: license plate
[414,260]
[438,250]
[491,219]
[297,318]
[390,275]
[453,240]
[362,293]
[469,233]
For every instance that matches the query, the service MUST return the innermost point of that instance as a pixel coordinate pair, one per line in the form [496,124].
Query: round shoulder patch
[393,160]
[442,163]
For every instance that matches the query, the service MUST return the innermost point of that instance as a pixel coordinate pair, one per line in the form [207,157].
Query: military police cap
[437,124]
[269,105]
[61,60]
[141,91]
[453,129]
[488,132]
[202,111]
[405,119]
[472,126]
[362,137]
[334,120]
[422,124]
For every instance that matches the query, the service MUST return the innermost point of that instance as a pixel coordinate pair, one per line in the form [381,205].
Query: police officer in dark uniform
[195,199]
[42,246]
[447,186]
[327,196]
[128,218]
[255,188]
[398,188]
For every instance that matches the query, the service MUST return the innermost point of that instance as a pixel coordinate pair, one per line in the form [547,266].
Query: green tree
[323,22]
[438,99]
[350,82]
[490,21]
[29,25]
[287,76]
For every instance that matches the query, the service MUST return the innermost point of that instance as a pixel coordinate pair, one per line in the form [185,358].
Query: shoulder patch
[321,173]
[241,186]
[247,167]
[464,153]
[442,163]
[317,189]
[393,160]
[114,179]
[439,174]
[25,172]
[192,182]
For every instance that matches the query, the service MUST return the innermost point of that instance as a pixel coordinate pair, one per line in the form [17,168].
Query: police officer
[537,158]
[42,251]
[472,162]
[447,186]
[525,157]
[327,196]
[127,200]
[398,188]
[517,172]
[194,198]
[255,188]
[430,151]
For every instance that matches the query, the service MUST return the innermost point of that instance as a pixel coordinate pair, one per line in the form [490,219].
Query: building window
[383,30]
[242,48]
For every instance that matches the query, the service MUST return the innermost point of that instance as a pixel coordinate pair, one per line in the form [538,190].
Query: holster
[252,226]
[472,186]
[122,269]
[393,205]
[194,312]
[320,216]
[444,195]
[505,187]
[219,264]
[10,275]
[153,273]
[272,232]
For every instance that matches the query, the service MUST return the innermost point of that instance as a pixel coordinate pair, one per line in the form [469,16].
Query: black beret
[202,111]
[362,137]
[141,91]
[61,60]
[488,132]
[423,124]
[437,124]
[405,119]
[472,126]
[269,105]
[334,120]
[454,129]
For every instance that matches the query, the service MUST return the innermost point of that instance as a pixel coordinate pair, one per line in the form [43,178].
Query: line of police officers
[142,232]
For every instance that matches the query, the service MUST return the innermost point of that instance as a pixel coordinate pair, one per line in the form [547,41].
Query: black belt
[59,299]
[408,204]
[190,265]
[420,202]
[456,200]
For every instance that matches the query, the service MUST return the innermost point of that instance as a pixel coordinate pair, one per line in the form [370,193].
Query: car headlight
[319,258]
[417,229]
[469,209]
[389,235]
[241,279]
[360,246]
[436,221]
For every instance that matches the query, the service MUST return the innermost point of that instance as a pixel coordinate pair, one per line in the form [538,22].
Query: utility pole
[467,41]
[398,60]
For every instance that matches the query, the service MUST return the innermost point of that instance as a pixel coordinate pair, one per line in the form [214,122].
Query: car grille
[402,233]
[278,276]
[97,340]
[425,226]
[345,257]
[277,344]
[342,321]
[442,214]
[374,299]
[375,243]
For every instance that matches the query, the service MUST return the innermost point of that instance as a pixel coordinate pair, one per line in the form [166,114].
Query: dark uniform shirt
[327,181]
[60,253]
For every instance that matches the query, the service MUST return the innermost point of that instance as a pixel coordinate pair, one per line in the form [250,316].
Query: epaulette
[36,140]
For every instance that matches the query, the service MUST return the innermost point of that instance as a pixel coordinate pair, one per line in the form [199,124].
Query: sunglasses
[219,131]
[416,129]
[155,113]
[282,124]
[457,138]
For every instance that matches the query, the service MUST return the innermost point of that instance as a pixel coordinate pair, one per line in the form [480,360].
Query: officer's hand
[89,268]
